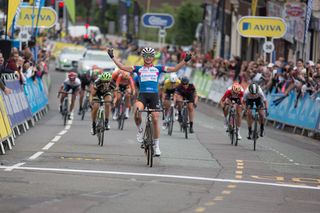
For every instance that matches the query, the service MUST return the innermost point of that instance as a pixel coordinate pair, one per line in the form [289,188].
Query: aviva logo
[260,27]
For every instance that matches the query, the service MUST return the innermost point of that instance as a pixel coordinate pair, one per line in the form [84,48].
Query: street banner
[308,18]
[12,9]
[5,128]
[136,21]
[71,8]
[123,18]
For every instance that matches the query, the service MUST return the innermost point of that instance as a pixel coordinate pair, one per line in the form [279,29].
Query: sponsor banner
[16,103]
[5,129]
[35,94]
[305,114]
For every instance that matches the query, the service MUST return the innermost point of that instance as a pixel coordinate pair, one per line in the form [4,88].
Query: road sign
[24,36]
[162,33]
[268,46]
[157,20]
[261,27]
[47,17]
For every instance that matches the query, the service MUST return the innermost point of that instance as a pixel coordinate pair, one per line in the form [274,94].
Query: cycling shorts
[169,92]
[149,99]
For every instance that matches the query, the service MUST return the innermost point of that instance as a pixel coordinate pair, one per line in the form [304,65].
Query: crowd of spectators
[23,64]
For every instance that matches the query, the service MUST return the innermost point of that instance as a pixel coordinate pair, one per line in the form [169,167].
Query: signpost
[161,21]
[262,27]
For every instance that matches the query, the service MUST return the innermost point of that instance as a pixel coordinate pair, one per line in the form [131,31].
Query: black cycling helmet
[253,88]
[185,80]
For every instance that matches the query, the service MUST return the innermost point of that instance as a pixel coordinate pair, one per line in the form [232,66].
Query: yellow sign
[5,129]
[261,27]
[47,17]
[12,9]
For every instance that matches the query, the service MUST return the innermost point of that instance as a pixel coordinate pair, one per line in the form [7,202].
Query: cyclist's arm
[132,86]
[176,68]
[123,67]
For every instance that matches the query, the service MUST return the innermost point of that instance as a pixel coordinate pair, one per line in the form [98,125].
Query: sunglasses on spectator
[148,55]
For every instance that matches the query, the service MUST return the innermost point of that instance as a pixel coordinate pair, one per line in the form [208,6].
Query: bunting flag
[12,9]
[70,6]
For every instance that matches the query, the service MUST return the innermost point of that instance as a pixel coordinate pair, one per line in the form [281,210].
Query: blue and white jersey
[149,78]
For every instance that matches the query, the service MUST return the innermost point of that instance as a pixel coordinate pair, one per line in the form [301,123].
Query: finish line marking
[161,176]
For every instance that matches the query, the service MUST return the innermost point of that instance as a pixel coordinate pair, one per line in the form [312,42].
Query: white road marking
[69,122]
[35,155]
[46,147]
[67,127]
[62,132]
[56,138]
[164,176]
[14,167]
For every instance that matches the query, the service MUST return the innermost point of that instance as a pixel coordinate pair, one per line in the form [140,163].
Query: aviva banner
[261,27]
[47,17]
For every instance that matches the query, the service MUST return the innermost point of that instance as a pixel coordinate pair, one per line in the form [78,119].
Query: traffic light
[61,8]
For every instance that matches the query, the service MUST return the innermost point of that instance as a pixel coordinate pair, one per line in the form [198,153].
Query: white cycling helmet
[148,50]
[173,77]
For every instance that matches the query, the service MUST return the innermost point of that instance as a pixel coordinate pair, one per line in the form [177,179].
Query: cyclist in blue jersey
[148,95]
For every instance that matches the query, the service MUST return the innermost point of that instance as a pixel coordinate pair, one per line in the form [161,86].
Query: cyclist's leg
[139,105]
[191,114]
[179,100]
[75,92]
[259,105]
[66,88]
[154,104]
[117,97]
[225,110]
[128,101]
[249,105]
[82,92]
[94,111]
[107,108]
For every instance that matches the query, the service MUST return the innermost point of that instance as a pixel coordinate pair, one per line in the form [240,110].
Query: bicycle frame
[121,110]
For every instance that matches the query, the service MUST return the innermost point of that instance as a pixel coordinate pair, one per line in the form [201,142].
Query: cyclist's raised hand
[110,53]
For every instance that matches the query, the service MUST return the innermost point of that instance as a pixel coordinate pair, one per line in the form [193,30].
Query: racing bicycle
[232,124]
[148,135]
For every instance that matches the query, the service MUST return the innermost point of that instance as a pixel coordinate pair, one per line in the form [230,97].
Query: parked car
[69,58]
[96,57]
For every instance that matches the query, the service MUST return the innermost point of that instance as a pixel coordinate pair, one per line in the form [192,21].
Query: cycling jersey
[188,93]
[247,95]
[233,96]
[71,85]
[149,77]
[168,86]
[103,88]
[125,82]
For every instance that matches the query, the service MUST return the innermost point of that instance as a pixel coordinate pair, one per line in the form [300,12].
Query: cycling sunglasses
[148,55]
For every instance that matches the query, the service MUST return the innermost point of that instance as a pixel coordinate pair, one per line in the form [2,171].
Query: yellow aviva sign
[47,17]
[261,27]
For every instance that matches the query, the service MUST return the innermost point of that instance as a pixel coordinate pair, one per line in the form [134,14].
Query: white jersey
[248,96]
[75,83]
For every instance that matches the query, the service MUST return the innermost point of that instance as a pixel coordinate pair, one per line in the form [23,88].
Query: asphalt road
[54,168]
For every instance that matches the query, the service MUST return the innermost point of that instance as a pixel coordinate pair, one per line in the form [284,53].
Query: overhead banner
[12,9]
[47,17]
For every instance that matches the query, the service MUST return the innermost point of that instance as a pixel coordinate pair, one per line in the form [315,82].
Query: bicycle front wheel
[185,122]
[170,122]
[100,132]
[255,133]
[231,128]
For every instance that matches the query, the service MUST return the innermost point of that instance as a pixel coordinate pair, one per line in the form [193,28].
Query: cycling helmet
[106,76]
[125,75]
[236,88]
[253,88]
[72,75]
[173,77]
[185,80]
[148,51]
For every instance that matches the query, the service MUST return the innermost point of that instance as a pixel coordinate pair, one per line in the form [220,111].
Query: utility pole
[223,4]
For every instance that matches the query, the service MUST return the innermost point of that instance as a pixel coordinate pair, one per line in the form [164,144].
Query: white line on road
[35,155]
[62,132]
[164,176]
[46,147]
[67,127]
[56,138]
[14,166]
